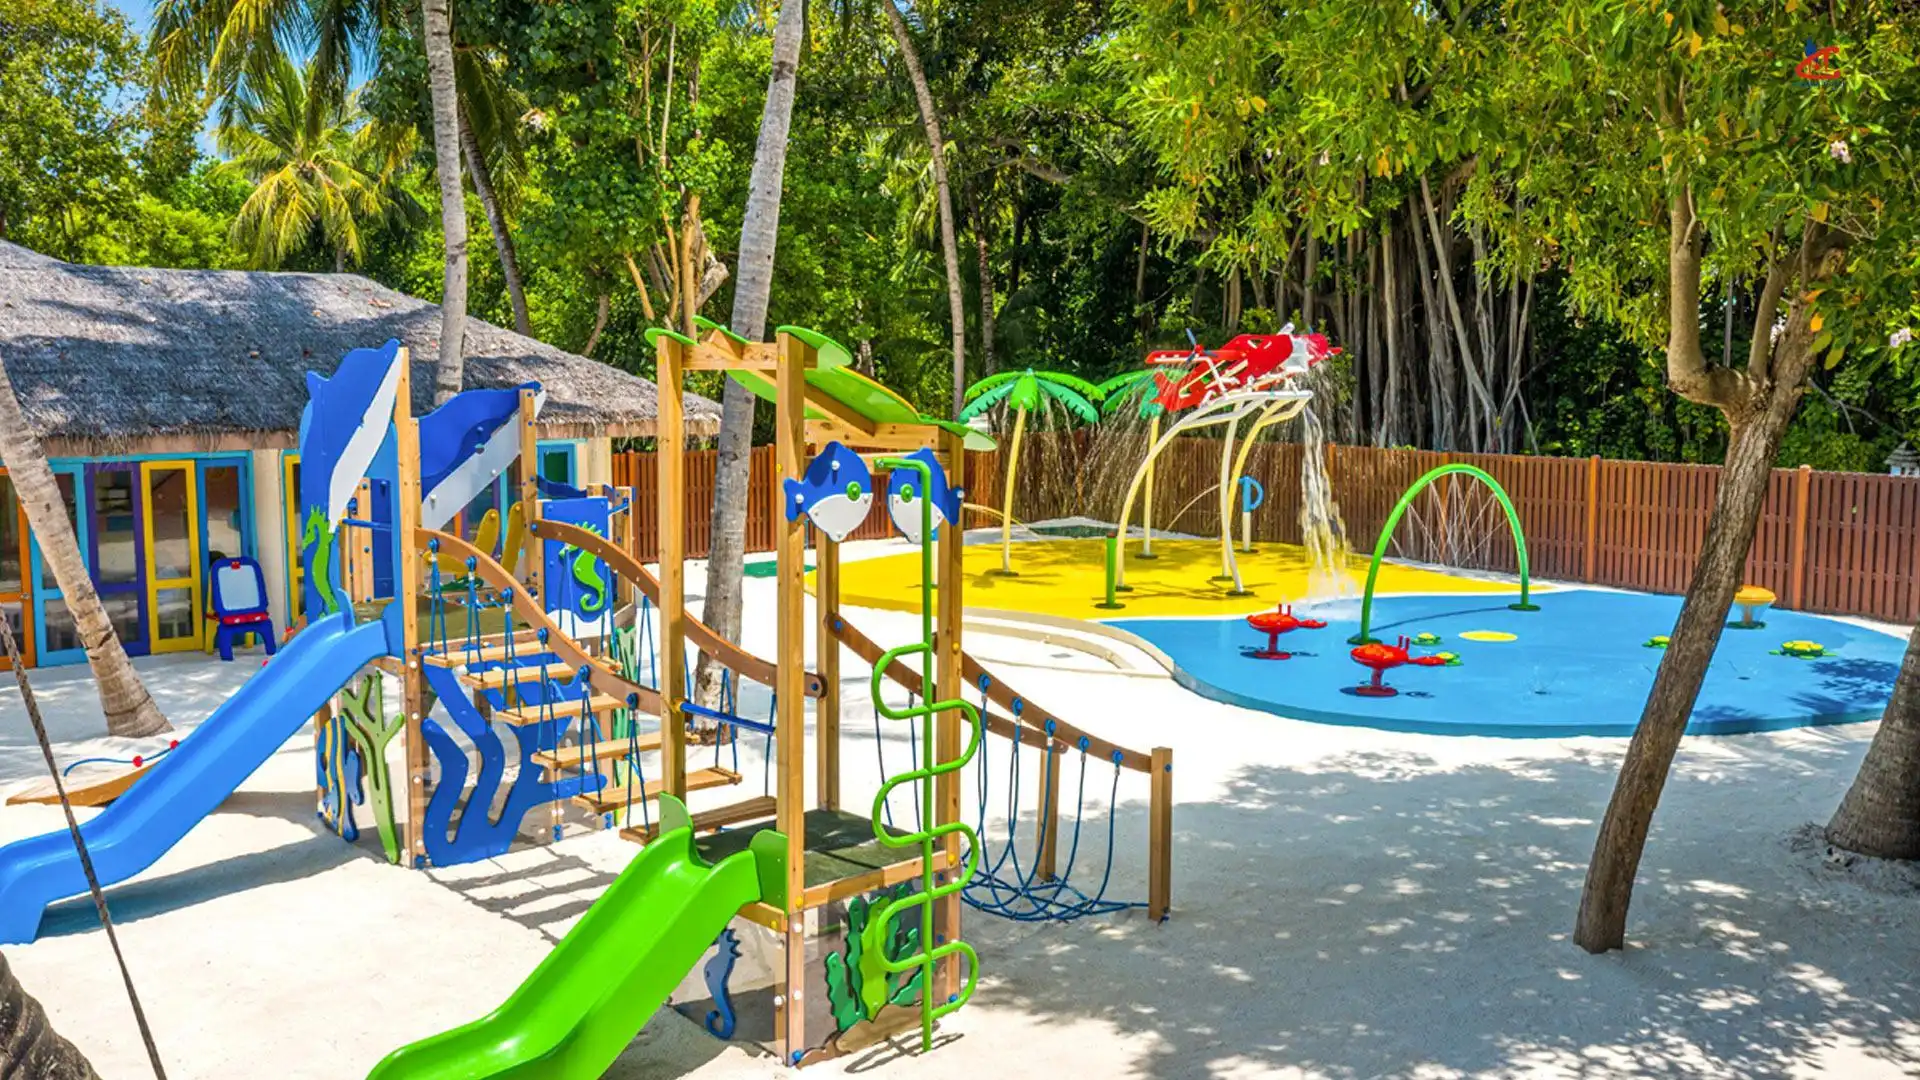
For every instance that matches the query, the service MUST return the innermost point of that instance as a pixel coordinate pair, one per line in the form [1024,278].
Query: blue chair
[239,594]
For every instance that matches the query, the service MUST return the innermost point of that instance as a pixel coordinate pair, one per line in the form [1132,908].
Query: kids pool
[1578,666]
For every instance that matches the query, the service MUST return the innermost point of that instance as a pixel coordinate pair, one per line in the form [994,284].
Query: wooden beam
[826,722]
[413,683]
[790,723]
[838,411]
[725,354]
[893,874]
[1160,837]
[1047,826]
[889,437]
[950,682]
[670,469]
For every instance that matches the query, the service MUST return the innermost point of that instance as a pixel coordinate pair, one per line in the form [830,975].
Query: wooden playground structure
[489,643]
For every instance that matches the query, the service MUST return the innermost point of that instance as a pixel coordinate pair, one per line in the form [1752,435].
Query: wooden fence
[1842,543]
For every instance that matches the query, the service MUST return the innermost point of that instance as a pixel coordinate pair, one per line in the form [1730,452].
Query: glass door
[116,551]
[171,569]
[14,563]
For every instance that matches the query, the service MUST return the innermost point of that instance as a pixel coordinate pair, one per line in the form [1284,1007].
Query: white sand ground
[1348,903]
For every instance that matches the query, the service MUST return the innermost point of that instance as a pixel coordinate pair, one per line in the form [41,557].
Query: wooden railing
[703,637]
[1031,725]
[533,616]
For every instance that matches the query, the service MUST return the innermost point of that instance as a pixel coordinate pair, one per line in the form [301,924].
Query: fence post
[1796,593]
[1593,511]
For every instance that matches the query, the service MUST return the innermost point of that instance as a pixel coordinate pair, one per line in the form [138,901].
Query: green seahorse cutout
[371,728]
[587,573]
[316,546]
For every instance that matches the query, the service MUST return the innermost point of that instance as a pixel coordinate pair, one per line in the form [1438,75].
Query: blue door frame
[82,470]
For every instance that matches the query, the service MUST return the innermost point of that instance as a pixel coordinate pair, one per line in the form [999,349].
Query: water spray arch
[1400,509]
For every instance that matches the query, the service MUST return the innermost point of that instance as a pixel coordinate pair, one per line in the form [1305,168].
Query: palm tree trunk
[29,1047]
[1006,499]
[936,146]
[450,373]
[497,224]
[1881,814]
[129,708]
[759,229]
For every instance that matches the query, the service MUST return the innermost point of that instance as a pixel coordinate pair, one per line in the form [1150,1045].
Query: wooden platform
[843,857]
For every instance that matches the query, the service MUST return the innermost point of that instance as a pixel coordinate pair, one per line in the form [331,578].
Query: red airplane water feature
[1381,658]
[1247,362]
[1276,622]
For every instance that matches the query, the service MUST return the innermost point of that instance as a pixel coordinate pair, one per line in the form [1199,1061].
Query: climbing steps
[617,796]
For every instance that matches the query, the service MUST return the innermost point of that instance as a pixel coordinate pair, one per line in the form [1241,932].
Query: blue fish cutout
[465,445]
[835,494]
[346,420]
[903,497]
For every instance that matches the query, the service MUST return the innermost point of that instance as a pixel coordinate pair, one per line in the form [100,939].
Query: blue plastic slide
[189,783]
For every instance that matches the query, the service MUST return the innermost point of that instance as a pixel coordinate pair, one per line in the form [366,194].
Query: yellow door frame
[156,584]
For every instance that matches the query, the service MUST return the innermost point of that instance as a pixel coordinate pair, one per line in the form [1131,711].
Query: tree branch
[1688,374]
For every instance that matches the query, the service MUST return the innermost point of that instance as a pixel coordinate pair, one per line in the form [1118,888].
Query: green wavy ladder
[875,964]
[1393,519]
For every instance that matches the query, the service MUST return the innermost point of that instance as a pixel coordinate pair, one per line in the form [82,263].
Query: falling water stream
[1321,531]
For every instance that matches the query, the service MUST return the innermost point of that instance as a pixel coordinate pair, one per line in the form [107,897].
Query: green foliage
[322,173]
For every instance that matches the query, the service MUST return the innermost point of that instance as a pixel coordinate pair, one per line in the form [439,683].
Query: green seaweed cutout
[363,712]
[844,979]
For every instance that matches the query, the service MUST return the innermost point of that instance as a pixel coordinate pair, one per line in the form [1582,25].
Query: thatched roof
[123,360]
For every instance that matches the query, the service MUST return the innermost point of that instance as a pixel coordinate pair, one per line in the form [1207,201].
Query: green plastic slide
[587,1000]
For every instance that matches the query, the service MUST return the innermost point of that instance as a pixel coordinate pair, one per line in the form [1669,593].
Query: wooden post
[406,519]
[790,720]
[1160,837]
[826,723]
[1796,592]
[670,480]
[950,682]
[1593,511]
[1048,827]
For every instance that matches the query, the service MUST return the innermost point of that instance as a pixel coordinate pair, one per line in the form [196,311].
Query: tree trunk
[129,708]
[986,296]
[1758,404]
[1880,815]
[602,306]
[29,1047]
[936,145]
[497,223]
[759,229]
[1140,319]
[450,373]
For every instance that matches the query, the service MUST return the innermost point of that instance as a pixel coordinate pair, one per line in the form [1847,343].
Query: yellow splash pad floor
[1068,578]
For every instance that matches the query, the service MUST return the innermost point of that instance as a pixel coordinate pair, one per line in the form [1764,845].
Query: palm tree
[1881,814]
[936,147]
[129,708]
[219,47]
[759,228]
[437,39]
[29,1047]
[325,168]
[1024,391]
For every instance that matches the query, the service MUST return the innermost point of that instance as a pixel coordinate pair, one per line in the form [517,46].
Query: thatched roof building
[111,360]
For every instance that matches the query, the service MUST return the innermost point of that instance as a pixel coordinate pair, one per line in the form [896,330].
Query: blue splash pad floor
[1578,666]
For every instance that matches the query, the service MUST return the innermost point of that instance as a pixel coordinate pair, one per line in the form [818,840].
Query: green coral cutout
[367,723]
[844,980]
